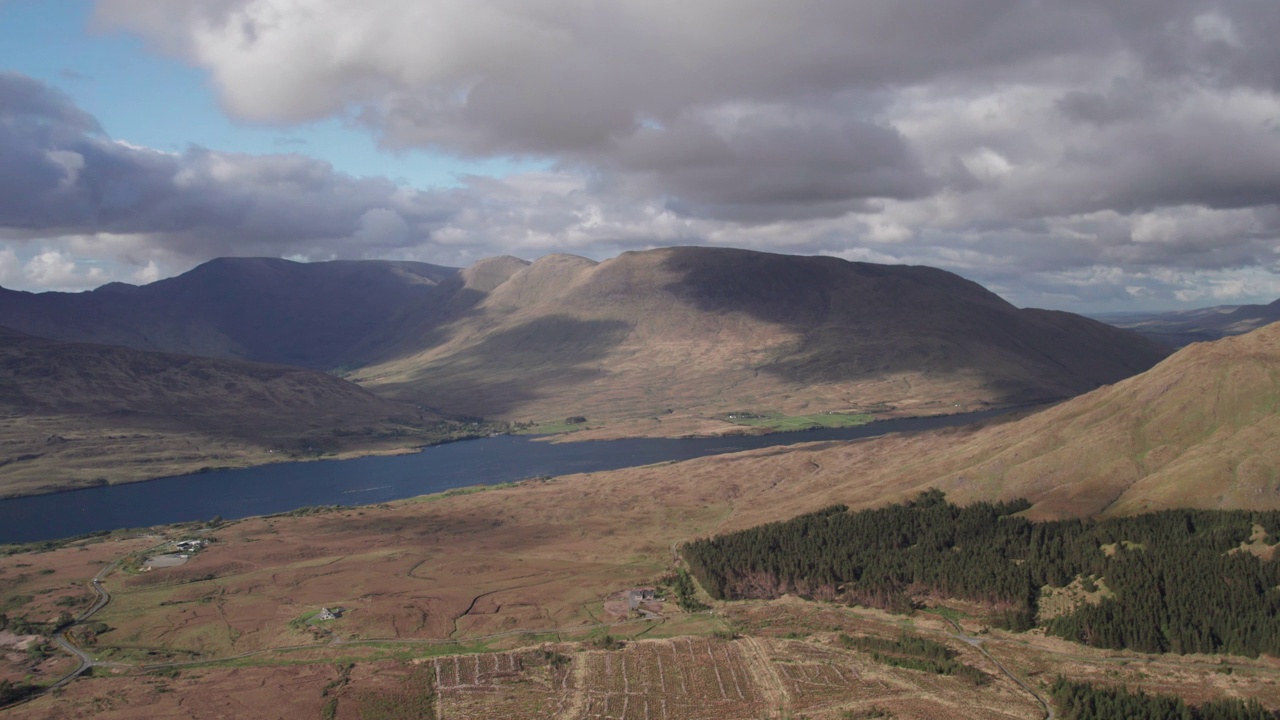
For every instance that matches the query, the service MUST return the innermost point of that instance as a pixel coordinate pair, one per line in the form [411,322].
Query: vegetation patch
[786,423]
[916,653]
[685,591]
[1176,587]
[414,699]
[1082,701]
[549,428]
[1057,602]
[471,490]
[11,692]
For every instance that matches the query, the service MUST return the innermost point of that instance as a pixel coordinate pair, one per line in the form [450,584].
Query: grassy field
[552,428]
[785,423]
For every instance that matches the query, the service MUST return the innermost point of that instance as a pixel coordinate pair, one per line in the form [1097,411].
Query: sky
[1085,155]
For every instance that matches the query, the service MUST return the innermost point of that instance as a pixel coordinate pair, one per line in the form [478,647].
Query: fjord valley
[512,600]
[628,593]
[639,360]
[668,342]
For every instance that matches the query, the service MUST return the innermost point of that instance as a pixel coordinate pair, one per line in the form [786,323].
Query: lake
[283,487]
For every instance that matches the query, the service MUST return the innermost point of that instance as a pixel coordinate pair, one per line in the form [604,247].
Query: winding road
[978,643]
[63,638]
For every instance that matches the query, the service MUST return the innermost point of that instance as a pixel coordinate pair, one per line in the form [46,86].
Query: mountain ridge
[710,329]
[257,309]
[644,338]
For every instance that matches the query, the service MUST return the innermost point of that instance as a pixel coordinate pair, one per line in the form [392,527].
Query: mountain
[658,337]
[715,330]
[1201,429]
[76,413]
[313,315]
[1179,328]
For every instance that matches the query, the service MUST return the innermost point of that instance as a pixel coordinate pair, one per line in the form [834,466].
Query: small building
[327,614]
[640,595]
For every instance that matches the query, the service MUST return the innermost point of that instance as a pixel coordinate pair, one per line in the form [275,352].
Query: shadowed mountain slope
[74,412]
[316,315]
[711,330]
[1201,429]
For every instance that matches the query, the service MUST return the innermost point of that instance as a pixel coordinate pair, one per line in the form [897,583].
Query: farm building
[640,595]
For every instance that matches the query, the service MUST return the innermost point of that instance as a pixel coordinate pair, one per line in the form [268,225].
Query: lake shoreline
[282,487]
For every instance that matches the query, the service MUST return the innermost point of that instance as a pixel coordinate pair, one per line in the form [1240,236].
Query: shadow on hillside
[420,525]
[421,326]
[774,288]
[515,366]
[861,321]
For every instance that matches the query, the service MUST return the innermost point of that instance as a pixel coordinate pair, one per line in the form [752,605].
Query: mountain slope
[712,330]
[75,412]
[1201,429]
[267,310]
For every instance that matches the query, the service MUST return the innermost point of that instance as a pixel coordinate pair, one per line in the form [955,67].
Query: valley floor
[496,603]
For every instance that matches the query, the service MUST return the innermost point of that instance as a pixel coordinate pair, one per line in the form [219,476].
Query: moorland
[586,596]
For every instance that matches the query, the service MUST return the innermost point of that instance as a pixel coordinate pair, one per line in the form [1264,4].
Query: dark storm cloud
[62,176]
[763,165]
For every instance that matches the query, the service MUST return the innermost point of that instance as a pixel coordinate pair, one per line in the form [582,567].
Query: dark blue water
[286,486]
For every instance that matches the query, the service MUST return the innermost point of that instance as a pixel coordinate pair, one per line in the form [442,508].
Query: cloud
[10,267]
[1025,143]
[56,270]
[63,177]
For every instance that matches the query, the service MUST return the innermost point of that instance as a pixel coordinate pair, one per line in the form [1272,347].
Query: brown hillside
[1201,429]
[707,330]
[74,412]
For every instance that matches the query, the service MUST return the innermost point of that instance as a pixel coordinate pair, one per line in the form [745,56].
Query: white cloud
[148,274]
[55,270]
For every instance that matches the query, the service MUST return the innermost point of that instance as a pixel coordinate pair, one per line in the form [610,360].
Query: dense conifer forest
[1175,581]
[1081,701]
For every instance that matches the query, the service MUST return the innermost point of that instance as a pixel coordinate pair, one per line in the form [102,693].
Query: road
[978,643]
[63,638]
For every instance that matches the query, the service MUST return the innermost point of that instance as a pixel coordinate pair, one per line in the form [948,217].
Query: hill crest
[716,329]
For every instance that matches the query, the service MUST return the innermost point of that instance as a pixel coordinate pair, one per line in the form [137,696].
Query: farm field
[779,665]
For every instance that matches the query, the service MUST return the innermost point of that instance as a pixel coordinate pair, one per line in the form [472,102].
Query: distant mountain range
[676,330]
[1179,328]
[75,413]
[314,315]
